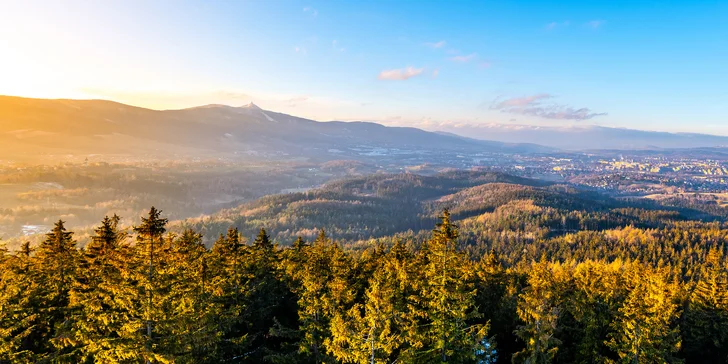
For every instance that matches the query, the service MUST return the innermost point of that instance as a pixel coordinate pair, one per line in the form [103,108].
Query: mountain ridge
[91,127]
[31,126]
[591,137]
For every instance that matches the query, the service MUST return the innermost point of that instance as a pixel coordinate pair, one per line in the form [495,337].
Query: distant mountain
[30,127]
[590,137]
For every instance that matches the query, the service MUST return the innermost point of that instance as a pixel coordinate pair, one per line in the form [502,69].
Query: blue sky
[645,65]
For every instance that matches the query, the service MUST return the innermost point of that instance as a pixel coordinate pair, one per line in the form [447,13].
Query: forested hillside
[516,270]
[379,205]
[354,208]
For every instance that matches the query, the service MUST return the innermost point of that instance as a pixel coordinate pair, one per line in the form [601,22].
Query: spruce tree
[266,299]
[323,290]
[645,330]
[188,329]
[376,331]
[598,292]
[41,309]
[149,248]
[287,330]
[228,279]
[539,311]
[705,330]
[446,301]
[19,308]
[496,305]
[103,295]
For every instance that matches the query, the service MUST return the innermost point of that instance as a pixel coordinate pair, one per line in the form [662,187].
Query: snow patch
[268,117]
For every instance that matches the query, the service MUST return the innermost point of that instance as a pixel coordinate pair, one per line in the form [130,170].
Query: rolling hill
[381,205]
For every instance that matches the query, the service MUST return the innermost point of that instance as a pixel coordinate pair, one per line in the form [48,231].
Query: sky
[437,65]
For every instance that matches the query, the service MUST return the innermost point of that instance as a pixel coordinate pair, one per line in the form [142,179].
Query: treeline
[154,296]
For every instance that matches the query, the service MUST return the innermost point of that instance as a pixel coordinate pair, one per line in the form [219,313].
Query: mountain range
[30,127]
[50,127]
[590,137]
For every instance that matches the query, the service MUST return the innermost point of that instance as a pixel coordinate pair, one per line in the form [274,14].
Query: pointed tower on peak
[251,106]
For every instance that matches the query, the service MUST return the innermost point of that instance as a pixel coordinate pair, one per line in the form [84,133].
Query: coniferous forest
[146,294]
[363,182]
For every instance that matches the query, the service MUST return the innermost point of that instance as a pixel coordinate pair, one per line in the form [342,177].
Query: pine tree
[706,317]
[294,260]
[19,308]
[376,331]
[496,305]
[38,311]
[323,290]
[102,296]
[228,294]
[645,331]
[593,304]
[539,311]
[446,301]
[188,323]
[286,331]
[266,299]
[149,248]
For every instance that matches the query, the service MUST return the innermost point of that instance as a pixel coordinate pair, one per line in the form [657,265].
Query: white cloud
[400,74]
[534,105]
[464,59]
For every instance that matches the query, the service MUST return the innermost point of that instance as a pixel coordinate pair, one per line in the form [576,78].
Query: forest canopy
[467,291]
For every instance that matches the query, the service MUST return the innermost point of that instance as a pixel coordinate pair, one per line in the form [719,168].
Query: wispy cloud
[594,24]
[310,10]
[484,65]
[520,101]
[463,59]
[294,101]
[435,73]
[300,50]
[400,74]
[436,45]
[537,105]
[554,25]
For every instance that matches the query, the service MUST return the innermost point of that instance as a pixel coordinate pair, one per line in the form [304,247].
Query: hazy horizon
[460,129]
